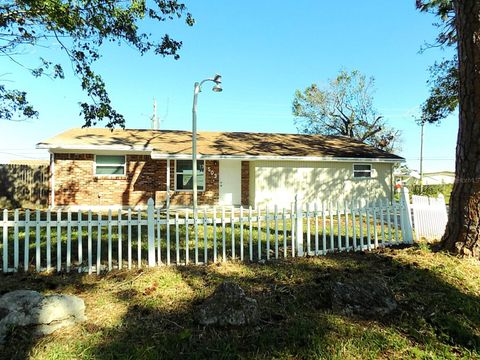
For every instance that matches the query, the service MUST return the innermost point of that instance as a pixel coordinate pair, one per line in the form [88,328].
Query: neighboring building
[438,178]
[94,166]
[405,177]
[29,162]
[429,178]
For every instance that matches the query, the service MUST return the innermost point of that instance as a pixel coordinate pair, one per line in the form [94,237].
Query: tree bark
[462,235]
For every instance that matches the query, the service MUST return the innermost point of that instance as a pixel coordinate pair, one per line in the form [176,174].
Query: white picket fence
[429,216]
[88,242]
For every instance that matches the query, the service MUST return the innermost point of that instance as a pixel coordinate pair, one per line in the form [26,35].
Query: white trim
[188,190]
[94,147]
[163,156]
[101,152]
[362,177]
[110,175]
[157,156]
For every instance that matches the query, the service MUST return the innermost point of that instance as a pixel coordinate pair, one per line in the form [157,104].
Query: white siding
[277,182]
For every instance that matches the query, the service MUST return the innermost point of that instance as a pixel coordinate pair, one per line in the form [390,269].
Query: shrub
[432,190]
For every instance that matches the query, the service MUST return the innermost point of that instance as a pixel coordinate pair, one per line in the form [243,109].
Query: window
[362,170]
[184,178]
[109,165]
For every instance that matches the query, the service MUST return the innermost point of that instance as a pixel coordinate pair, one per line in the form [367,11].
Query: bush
[433,190]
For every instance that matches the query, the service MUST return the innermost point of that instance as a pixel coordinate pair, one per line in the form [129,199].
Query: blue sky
[264,51]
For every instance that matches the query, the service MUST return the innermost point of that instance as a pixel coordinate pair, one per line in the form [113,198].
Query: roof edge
[93,147]
[164,156]
[160,156]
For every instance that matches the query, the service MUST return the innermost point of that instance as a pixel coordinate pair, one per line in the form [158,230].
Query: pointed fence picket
[95,243]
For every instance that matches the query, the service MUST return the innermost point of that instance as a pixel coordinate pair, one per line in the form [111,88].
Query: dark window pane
[361,167]
[184,182]
[186,165]
[184,175]
[183,165]
[358,174]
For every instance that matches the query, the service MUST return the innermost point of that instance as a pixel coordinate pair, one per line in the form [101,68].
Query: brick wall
[245,187]
[76,184]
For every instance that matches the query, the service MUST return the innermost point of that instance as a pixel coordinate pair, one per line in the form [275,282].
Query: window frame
[363,171]
[105,165]
[204,176]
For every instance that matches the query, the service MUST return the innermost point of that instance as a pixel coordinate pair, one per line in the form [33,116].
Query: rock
[368,299]
[228,305]
[44,313]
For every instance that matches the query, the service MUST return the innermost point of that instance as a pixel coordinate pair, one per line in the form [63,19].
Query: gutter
[158,156]
[94,147]
[165,156]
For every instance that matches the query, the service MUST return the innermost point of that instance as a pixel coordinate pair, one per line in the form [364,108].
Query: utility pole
[422,124]
[155,119]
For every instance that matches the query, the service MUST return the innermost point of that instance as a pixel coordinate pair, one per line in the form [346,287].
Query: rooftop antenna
[155,119]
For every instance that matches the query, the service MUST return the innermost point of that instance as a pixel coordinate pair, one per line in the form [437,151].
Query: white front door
[230,182]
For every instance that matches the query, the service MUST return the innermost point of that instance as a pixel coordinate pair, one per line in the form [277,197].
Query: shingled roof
[175,143]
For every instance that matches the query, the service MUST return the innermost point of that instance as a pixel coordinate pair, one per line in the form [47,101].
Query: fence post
[299,225]
[151,233]
[407,233]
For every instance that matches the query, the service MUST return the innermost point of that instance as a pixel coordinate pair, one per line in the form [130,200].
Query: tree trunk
[462,235]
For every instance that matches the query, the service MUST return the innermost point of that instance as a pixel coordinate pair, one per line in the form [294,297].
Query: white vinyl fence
[429,216]
[88,242]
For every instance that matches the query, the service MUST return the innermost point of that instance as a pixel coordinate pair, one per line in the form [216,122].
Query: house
[102,167]
[404,176]
[411,178]
[438,178]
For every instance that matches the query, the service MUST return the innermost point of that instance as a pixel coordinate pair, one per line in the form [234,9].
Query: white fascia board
[159,156]
[76,148]
[162,156]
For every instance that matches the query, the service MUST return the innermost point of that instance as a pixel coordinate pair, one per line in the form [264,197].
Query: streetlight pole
[217,79]
[196,90]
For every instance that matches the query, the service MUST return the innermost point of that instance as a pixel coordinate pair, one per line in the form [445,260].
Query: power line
[39,157]
[432,159]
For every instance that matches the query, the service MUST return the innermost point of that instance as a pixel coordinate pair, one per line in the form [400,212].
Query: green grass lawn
[260,239]
[148,314]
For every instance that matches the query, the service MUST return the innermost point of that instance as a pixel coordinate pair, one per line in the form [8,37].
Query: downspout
[52,179]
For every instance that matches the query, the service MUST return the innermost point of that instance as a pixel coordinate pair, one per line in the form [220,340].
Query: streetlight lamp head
[218,79]
[217,88]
